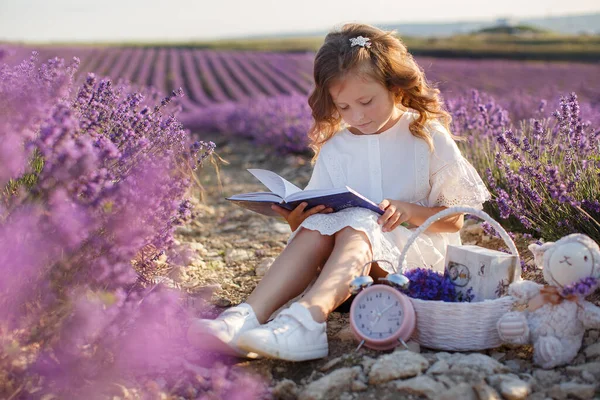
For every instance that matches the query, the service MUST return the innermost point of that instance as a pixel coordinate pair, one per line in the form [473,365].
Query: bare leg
[291,272]
[351,251]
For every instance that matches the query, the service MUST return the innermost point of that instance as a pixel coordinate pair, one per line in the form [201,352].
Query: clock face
[378,312]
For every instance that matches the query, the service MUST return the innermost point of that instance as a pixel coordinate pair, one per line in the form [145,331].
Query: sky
[170,20]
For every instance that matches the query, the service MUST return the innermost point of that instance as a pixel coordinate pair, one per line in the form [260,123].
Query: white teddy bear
[554,322]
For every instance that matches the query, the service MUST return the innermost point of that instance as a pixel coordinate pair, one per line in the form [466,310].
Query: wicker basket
[460,326]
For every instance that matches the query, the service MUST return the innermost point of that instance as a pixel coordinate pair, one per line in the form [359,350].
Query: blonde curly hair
[388,61]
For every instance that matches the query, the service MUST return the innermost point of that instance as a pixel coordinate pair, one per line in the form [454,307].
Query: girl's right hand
[295,217]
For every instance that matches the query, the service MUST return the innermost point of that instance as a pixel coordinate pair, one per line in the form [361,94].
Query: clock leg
[360,345]
[403,343]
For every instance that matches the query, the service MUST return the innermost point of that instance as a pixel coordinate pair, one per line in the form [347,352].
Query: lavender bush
[94,183]
[544,173]
[278,123]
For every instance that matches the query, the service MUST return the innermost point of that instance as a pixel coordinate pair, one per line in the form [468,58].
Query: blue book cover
[289,196]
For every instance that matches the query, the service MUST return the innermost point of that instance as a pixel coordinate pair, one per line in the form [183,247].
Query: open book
[288,195]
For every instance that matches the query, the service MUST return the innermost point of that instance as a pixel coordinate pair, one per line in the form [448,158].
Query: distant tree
[510,29]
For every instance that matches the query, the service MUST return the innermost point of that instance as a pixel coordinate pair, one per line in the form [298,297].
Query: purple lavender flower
[583,288]
[427,284]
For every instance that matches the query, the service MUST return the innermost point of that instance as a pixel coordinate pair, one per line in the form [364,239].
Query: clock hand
[376,320]
[379,313]
[387,308]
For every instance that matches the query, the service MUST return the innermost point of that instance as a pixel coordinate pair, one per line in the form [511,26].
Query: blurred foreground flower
[94,184]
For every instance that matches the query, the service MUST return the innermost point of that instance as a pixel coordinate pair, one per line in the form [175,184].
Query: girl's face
[364,103]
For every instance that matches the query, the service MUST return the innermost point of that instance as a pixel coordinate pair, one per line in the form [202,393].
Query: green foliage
[28,179]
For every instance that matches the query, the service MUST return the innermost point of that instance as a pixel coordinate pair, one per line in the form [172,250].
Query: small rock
[421,385]
[446,381]
[263,266]
[545,378]
[440,367]
[592,351]
[496,379]
[593,334]
[331,386]
[397,365]
[462,391]
[222,302]
[515,389]
[198,248]
[331,363]
[592,368]
[359,386]
[572,389]
[514,365]
[497,355]
[346,335]
[367,362]
[588,377]
[237,255]
[286,389]
[538,396]
[484,391]
[475,362]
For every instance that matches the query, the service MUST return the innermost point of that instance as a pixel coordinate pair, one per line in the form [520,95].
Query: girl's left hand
[396,213]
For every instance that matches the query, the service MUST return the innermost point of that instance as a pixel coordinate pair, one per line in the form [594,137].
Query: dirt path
[231,246]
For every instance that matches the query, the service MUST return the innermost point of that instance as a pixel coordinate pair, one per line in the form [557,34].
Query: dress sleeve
[453,180]
[320,178]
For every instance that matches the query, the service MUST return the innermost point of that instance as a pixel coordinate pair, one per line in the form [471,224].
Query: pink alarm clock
[381,316]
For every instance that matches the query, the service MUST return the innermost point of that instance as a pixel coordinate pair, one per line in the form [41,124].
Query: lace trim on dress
[458,183]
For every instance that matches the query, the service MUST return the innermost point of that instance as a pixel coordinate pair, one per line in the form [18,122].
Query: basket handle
[464,210]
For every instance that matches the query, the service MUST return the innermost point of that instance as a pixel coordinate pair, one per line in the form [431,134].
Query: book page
[257,196]
[311,193]
[274,182]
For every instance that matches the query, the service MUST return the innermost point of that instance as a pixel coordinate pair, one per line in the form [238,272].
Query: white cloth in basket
[396,165]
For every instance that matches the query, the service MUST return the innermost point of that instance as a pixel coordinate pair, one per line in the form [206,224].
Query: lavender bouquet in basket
[427,284]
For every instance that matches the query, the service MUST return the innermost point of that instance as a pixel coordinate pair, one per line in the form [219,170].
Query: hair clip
[360,41]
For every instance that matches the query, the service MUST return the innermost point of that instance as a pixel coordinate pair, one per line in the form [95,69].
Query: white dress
[396,165]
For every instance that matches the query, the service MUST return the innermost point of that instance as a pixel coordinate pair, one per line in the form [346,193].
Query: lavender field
[212,77]
[99,154]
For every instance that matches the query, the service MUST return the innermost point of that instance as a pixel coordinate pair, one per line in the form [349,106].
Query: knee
[348,233]
[316,238]
[357,239]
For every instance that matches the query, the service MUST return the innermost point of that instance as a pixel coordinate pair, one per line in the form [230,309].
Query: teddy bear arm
[524,290]
[590,315]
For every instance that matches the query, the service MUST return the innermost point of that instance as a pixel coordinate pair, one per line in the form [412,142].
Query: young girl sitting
[395,149]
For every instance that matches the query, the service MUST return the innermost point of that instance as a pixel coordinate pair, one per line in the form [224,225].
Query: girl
[396,149]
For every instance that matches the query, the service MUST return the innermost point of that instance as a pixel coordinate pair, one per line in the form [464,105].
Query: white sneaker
[219,335]
[293,336]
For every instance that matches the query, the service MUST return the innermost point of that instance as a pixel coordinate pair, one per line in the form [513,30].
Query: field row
[207,76]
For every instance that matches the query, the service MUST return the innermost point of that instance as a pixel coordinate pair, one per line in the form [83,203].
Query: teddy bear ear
[538,252]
